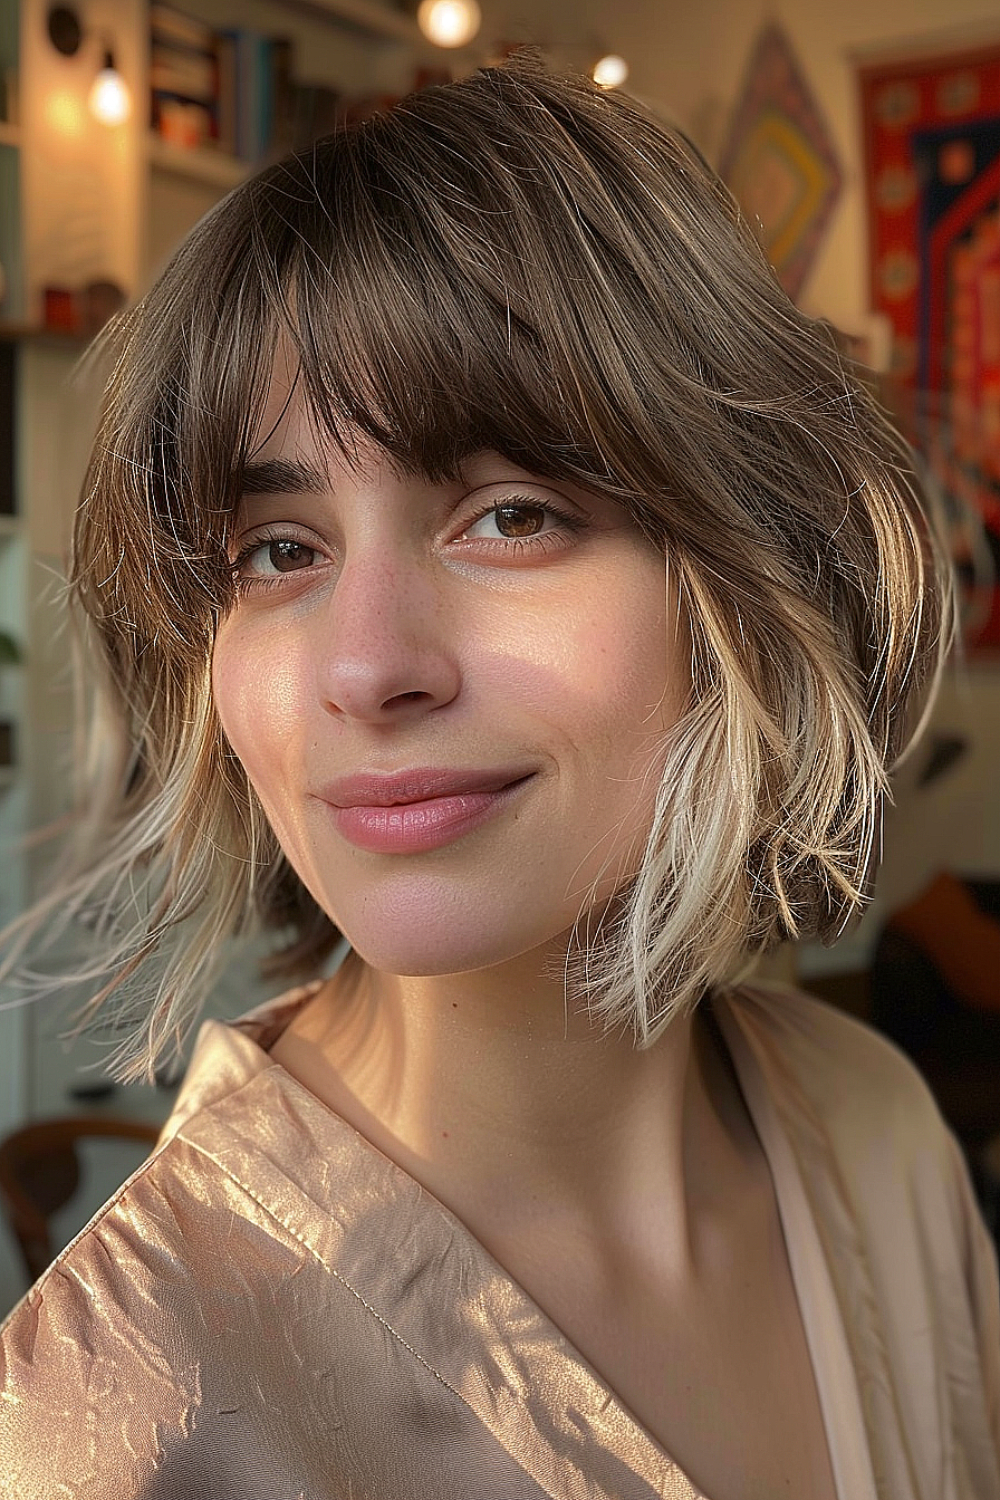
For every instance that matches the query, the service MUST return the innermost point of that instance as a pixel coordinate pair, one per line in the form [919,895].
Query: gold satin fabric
[271,1310]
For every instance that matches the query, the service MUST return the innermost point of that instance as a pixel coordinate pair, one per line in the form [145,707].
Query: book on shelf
[255,93]
[168,24]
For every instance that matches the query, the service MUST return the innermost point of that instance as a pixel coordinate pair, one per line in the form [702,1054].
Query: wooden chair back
[40,1172]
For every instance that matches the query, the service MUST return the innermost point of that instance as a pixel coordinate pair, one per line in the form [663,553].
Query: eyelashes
[287,553]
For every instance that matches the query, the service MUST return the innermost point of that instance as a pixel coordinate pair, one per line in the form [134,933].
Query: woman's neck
[523,1118]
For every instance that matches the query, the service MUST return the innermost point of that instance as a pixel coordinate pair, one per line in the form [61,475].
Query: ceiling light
[449,23]
[611,71]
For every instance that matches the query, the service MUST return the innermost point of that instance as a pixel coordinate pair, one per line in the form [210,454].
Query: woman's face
[449,698]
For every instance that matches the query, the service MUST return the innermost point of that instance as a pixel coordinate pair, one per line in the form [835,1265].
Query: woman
[487,563]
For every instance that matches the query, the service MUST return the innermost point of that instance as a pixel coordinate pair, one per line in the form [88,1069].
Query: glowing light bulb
[449,23]
[611,71]
[109,97]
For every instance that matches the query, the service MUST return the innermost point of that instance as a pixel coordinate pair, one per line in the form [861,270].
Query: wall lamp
[109,99]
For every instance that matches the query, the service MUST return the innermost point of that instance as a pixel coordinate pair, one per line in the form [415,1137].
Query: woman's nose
[384,647]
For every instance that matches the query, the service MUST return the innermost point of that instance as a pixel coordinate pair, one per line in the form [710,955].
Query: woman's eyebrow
[282,476]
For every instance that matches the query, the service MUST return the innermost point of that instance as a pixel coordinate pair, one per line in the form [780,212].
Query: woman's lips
[417,823]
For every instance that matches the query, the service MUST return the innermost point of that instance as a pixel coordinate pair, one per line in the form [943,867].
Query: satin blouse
[270,1309]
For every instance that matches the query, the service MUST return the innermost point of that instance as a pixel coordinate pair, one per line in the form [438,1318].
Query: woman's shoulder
[889,1191]
[853,1076]
[157,1305]
[86,1351]
[851,1103]
[192,1307]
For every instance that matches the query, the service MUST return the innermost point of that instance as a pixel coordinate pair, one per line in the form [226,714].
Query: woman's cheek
[258,695]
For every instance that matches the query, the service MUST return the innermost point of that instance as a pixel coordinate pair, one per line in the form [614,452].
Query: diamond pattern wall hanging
[779,159]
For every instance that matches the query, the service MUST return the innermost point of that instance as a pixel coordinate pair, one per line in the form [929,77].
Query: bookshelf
[315,56]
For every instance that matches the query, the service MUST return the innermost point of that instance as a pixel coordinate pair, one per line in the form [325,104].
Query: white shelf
[10,135]
[368,16]
[9,526]
[197,164]
[8,775]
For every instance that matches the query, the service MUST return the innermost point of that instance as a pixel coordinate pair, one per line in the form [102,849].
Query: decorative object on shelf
[97,302]
[109,99]
[81,310]
[58,309]
[931,126]
[610,71]
[779,159]
[449,23]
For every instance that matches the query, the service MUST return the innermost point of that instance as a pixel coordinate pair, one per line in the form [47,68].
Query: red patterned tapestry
[932,140]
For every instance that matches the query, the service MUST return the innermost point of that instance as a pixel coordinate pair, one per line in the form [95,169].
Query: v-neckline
[814,1288]
[812,1277]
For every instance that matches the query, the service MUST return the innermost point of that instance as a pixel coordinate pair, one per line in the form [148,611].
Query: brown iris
[520,520]
[286,556]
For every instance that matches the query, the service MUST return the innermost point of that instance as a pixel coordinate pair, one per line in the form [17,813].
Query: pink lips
[419,809]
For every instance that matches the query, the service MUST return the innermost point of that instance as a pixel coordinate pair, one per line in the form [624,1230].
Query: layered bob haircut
[523,263]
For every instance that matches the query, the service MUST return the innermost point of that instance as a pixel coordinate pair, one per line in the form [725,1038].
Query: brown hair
[524,263]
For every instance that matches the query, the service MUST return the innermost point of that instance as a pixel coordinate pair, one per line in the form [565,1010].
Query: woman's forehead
[283,416]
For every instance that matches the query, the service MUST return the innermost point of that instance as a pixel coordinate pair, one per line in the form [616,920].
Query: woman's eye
[512,521]
[271,558]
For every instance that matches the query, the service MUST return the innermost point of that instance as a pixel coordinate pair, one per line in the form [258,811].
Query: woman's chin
[429,948]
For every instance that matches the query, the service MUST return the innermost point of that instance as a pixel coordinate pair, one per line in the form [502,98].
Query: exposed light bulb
[449,23]
[611,71]
[109,99]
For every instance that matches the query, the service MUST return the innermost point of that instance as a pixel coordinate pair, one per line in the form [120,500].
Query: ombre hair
[523,263]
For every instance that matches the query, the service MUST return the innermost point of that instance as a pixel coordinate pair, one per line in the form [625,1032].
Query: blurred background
[863,142]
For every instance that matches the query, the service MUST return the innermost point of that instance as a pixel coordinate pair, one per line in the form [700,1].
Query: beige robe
[269,1309]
